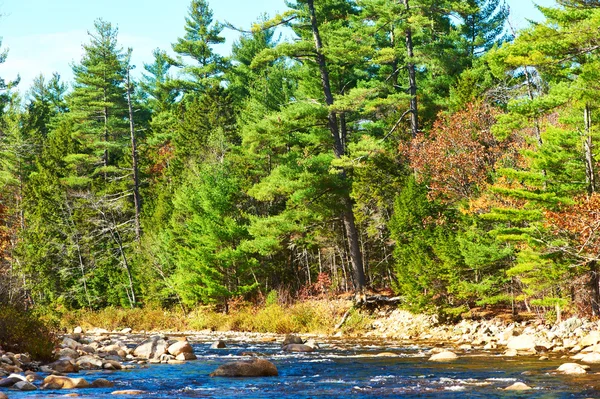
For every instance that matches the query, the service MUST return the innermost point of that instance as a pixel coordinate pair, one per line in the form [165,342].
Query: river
[344,369]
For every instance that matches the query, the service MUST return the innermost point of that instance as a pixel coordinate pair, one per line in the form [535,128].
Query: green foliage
[22,332]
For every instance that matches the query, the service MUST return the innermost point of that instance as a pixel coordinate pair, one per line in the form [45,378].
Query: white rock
[445,356]
[571,368]
[591,358]
[523,342]
[78,330]
[518,386]
[591,339]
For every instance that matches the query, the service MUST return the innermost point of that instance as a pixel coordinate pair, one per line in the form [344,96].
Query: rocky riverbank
[575,342]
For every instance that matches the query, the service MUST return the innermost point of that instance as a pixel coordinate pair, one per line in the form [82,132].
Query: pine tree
[201,33]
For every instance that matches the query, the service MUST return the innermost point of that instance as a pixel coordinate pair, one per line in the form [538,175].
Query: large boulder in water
[152,348]
[180,347]
[571,368]
[60,382]
[249,368]
[298,348]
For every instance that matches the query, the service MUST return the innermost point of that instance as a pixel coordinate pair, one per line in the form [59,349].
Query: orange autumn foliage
[456,158]
[580,223]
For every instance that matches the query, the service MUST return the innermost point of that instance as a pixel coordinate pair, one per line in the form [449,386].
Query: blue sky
[44,36]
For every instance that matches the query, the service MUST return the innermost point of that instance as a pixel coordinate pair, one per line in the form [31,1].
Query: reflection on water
[346,369]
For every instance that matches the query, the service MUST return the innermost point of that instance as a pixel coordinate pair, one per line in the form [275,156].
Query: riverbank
[321,319]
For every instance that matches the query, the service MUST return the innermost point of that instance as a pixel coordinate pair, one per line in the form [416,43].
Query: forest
[422,148]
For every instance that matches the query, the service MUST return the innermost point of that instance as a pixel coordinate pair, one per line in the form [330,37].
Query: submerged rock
[3,396]
[445,356]
[298,348]
[102,383]
[129,392]
[518,386]
[249,368]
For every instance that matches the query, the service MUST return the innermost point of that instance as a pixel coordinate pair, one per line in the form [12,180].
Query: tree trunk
[134,162]
[338,150]
[588,147]
[412,78]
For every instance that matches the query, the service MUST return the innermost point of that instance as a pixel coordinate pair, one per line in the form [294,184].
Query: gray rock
[9,382]
[25,386]
[64,366]
[298,348]
[89,362]
[250,368]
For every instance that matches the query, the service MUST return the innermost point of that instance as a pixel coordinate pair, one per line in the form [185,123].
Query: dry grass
[312,316]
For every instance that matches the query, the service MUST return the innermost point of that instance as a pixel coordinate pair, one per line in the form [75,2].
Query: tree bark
[412,78]
[339,150]
[134,161]
[588,147]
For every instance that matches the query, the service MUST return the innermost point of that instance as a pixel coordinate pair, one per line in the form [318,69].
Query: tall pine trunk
[588,148]
[134,162]
[412,78]
[338,150]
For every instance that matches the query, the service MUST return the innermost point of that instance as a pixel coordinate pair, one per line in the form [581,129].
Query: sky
[46,36]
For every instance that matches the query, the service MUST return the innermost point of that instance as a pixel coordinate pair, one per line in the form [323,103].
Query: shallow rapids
[344,369]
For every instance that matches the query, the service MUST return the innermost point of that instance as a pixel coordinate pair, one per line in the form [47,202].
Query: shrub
[22,332]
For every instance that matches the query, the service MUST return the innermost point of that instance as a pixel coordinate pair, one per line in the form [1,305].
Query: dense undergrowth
[25,332]
[312,316]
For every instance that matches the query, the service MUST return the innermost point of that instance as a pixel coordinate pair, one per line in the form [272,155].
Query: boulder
[67,353]
[111,365]
[180,347]
[591,339]
[571,368]
[292,339]
[218,345]
[518,386]
[591,358]
[510,353]
[25,386]
[102,383]
[78,330]
[523,342]
[9,382]
[128,392]
[88,362]
[70,343]
[185,356]
[151,349]
[3,396]
[64,366]
[298,348]
[445,356]
[249,368]
[126,330]
[61,382]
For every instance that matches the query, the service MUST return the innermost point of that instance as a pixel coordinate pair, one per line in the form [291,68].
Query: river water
[344,369]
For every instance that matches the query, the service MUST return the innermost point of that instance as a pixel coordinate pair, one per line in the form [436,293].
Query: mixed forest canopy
[420,146]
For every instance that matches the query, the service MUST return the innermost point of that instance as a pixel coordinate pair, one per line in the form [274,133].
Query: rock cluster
[577,336]
[97,350]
